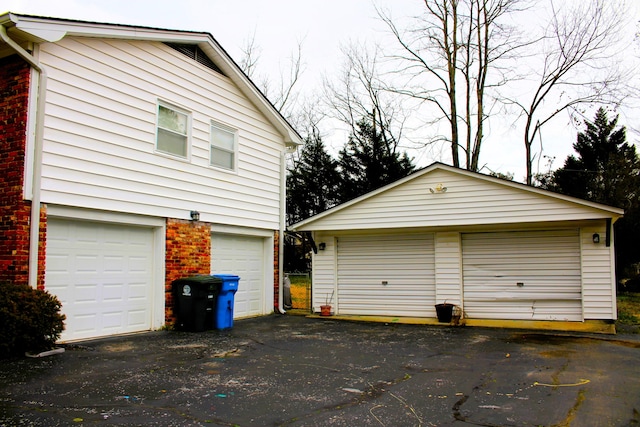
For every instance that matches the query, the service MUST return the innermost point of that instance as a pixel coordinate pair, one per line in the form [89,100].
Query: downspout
[34,226]
[283,207]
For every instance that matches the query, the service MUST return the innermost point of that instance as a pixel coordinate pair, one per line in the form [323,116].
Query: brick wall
[14,210]
[188,253]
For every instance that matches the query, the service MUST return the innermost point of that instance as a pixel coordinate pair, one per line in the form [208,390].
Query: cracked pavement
[294,371]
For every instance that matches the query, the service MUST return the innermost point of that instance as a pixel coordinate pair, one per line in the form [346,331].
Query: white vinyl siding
[223,147]
[386,275]
[546,264]
[243,256]
[598,274]
[100,136]
[447,264]
[103,274]
[323,271]
[468,201]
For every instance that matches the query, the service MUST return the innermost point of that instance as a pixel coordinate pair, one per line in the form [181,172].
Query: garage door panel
[112,293]
[244,257]
[103,275]
[533,275]
[386,275]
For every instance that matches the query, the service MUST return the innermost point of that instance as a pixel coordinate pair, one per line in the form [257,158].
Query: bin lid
[229,282]
[203,280]
[227,276]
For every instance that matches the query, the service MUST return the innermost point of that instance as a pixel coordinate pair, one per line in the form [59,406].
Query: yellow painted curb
[588,326]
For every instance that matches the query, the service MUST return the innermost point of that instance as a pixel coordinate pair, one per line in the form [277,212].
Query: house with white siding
[506,254]
[131,157]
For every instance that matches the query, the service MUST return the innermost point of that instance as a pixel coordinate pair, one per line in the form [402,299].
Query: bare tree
[576,66]
[283,94]
[360,93]
[452,55]
[250,56]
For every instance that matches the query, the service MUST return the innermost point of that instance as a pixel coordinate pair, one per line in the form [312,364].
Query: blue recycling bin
[225,301]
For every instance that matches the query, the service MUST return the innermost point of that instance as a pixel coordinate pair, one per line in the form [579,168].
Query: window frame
[187,135]
[234,152]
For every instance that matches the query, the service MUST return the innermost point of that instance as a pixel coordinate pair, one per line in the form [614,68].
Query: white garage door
[244,257]
[391,275]
[529,275]
[103,275]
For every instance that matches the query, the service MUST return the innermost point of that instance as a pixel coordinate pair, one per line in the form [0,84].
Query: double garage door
[532,275]
[104,275]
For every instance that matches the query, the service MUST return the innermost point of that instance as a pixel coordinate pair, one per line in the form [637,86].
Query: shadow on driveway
[295,371]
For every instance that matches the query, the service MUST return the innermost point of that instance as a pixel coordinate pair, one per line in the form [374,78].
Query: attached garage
[103,273]
[386,274]
[524,275]
[243,256]
[505,253]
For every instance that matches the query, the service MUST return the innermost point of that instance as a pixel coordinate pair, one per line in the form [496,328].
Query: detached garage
[506,254]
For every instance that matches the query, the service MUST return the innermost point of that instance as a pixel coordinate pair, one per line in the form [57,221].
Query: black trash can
[195,302]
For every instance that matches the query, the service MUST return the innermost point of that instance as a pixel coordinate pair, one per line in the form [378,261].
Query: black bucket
[444,312]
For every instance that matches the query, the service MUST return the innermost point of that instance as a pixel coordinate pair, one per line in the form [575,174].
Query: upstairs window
[223,147]
[173,131]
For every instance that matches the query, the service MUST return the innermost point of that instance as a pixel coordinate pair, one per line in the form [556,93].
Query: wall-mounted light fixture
[322,246]
[596,238]
[195,216]
[439,189]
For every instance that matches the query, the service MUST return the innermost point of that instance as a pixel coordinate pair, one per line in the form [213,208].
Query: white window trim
[226,128]
[189,129]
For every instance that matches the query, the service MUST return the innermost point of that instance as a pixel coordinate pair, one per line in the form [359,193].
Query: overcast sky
[321,26]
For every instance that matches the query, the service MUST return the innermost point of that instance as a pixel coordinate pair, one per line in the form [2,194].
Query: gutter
[34,225]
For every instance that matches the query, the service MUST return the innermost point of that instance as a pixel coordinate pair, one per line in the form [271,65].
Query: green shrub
[30,320]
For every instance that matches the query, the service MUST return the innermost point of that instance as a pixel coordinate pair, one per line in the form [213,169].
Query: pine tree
[312,182]
[606,170]
[367,163]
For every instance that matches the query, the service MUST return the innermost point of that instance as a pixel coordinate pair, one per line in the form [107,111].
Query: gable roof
[466,198]
[26,29]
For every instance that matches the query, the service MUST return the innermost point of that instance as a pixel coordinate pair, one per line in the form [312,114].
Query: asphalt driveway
[293,371]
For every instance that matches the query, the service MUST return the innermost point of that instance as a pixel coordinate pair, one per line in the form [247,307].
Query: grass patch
[300,280]
[300,292]
[629,308]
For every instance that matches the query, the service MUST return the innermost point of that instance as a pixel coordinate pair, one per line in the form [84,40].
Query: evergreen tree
[606,170]
[367,163]
[312,182]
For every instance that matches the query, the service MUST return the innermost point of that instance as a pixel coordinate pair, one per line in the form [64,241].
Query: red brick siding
[14,210]
[188,253]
